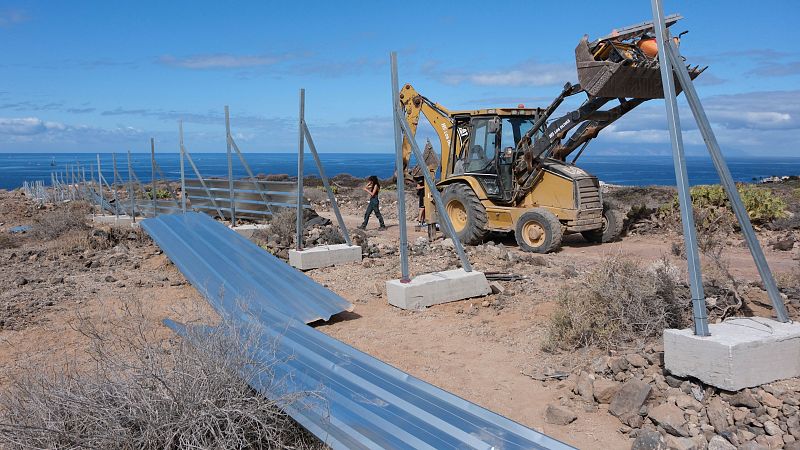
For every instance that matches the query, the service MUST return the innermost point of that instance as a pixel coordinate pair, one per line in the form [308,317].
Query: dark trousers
[374,206]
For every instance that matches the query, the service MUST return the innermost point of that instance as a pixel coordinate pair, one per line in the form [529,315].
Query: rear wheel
[466,213]
[611,229]
[538,231]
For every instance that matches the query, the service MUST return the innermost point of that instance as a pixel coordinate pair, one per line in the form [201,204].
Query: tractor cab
[486,148]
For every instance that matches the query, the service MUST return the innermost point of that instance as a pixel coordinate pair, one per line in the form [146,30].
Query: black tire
[466,213]
[612,227]
[538,231]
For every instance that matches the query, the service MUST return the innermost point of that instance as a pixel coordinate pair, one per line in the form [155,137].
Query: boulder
[559,415]
[636,360]
[717,415]
[720,443]
[649,440]
[670,417]
[742,398]
[770,400]
[630,398]
[604,390]
[585,387]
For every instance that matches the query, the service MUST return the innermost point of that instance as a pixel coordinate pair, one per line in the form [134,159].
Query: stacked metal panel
[358,401]
[232,272]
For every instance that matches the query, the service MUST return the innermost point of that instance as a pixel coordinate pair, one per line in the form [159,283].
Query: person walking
[373,188]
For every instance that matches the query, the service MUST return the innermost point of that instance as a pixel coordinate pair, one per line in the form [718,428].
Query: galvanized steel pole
[183,174]
[300,150]
[727,182]
[114,184]
[684,197]
[230,166]
[153,176]
[331,197]
[132,187]
[399,172]
[444,219]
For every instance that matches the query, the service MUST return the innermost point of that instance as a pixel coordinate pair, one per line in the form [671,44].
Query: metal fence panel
[227,268]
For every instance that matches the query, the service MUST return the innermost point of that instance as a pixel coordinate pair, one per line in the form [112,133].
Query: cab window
[481,153]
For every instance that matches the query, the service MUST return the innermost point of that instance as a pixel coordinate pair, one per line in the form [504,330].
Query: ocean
[623,170]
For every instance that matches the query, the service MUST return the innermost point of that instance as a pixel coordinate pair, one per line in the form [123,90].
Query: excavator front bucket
[624,64]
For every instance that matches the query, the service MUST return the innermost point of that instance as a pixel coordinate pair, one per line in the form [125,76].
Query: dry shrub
[147,392]
[284,225]
[620,303]
[66,218]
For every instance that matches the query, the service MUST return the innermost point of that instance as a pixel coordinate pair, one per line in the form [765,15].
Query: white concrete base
[740,353]
[249,229]
[324,256]
[437,287]
[111,219]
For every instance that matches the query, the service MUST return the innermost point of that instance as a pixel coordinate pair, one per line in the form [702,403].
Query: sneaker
[382,227]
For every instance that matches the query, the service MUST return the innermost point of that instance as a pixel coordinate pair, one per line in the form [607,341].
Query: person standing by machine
[421,197]
[373,188]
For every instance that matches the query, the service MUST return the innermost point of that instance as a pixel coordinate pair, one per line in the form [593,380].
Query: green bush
[762,205]
[161,194]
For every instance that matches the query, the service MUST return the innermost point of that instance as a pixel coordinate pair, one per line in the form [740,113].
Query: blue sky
[105,76]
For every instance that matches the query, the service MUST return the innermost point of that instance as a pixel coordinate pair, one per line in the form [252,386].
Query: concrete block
[435,288]
[740,353]
[249,229]
[111,219]
[324,255]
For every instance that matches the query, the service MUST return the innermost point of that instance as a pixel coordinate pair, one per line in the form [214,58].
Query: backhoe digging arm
[437,115]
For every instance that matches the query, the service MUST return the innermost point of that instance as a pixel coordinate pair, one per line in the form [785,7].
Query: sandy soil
[479,349]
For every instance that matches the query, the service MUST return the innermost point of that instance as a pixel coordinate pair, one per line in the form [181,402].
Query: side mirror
[494,125]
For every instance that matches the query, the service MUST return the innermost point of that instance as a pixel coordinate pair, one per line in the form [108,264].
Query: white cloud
[27,126]
[219,61]
[527,73]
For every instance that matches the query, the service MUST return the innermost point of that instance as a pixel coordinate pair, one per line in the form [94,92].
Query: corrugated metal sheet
[229,270]
[363,402]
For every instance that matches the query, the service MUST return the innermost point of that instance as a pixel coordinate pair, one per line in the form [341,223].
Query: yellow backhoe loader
[505,169]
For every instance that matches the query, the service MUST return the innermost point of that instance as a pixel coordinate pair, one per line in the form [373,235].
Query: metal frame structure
[672,63]
[305,136]
[401,126]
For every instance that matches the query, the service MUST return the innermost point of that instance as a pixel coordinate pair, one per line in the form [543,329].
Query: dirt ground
[481,349]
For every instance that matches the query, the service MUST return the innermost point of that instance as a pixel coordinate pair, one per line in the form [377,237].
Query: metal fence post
[183,175]
[684,197]
[331,197]
[153,176]
[300,150]
[132,188]
[114,185]
[399,172]
[231,194]
[727,182]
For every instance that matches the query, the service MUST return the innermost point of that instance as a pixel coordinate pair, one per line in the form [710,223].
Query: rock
[795,445]
[685,401]
[585,387]
[630,398]
[618,364]
[680,443]
[496,287]
[717,416]
[600,364]
[559,415]
[20,281]
[604,390]
[670,417]
[110,279]
[636,360]
[752,445]
[57,280]
[784,245]
[771,428]
[672,381]
[770,400]
[448,243]
[720,443]
[742,398]
[649,440]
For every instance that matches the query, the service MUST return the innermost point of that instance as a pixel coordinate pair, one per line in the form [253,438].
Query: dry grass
[147,392]
[620,303]
[65,218]
[284,225]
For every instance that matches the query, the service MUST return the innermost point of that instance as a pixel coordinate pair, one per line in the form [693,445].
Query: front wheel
[538,231]
[611,229]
